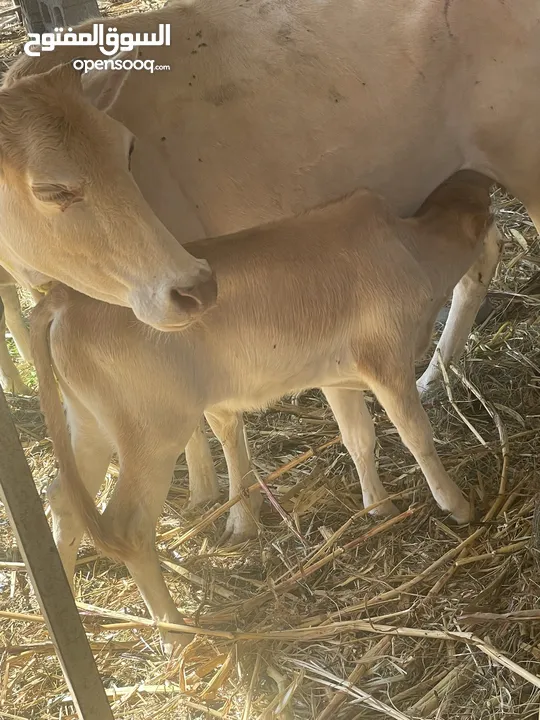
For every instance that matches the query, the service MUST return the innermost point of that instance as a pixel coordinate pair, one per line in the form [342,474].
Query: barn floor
[368,619]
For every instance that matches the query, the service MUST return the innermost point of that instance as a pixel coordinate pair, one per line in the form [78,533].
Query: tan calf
[343,297]
[10,315]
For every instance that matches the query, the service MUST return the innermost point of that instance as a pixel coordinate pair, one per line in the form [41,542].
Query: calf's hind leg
[358,435]
[92,451]
[399,397]
[146,469]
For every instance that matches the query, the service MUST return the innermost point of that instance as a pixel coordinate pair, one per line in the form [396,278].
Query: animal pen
[329,614]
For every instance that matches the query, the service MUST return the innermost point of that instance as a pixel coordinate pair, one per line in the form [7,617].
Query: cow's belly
[296,122]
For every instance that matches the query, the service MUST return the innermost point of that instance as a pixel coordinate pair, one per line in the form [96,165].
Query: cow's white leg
[203,483]
[399,397]
[146,469]
[358,435]
[466,301]
[229,430]
[15,322]
[9,375]
[92,451]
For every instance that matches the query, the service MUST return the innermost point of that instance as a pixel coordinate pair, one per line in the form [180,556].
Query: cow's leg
[203,483]
[243,517]
[92,451]
[466,301]
[9,375]
[399,397]
[15,322]
[146,469]
[358,435]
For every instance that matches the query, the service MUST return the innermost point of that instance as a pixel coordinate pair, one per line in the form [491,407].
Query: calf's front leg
[92,451]
[203,484]
[229,429]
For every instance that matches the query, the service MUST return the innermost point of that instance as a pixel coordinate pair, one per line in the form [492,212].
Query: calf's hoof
[240,528]
[203,486]
[385,510]
[199,499]
[172,641]
[460,511]
[427,388]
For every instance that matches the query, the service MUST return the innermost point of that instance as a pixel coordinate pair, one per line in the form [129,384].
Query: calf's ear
[102,87]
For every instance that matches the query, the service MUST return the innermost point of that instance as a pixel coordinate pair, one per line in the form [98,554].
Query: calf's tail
[80,499]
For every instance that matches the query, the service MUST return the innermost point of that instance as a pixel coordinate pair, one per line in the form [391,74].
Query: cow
[269,107]
[10,314]
[342,297]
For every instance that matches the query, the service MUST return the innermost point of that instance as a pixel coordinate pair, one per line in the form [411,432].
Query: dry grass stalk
[443,690]
[359,671]
[348,688]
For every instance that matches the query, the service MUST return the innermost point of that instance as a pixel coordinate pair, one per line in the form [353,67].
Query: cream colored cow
[343,297]
[269,107]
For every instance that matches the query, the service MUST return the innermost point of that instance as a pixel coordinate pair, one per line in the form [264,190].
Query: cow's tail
[81,501]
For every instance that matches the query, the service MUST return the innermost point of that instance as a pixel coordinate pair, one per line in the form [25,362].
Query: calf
[10,314]
[343,297]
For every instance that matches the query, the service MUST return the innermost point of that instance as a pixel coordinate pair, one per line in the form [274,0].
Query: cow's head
[71,211]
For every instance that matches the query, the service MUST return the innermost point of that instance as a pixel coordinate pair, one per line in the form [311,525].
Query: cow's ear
[102,87]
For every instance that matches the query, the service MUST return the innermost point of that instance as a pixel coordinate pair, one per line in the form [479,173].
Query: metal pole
[36,544]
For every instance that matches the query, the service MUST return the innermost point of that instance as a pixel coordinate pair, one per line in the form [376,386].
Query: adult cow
[272,106]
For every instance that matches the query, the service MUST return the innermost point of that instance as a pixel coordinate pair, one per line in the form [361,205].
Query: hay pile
[334,615]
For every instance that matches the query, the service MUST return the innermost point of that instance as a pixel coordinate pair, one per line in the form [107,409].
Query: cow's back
[272,106]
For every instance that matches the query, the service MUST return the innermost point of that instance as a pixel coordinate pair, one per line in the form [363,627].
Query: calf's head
[71,211]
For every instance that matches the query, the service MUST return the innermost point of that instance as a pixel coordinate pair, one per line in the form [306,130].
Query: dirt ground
[363,618]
